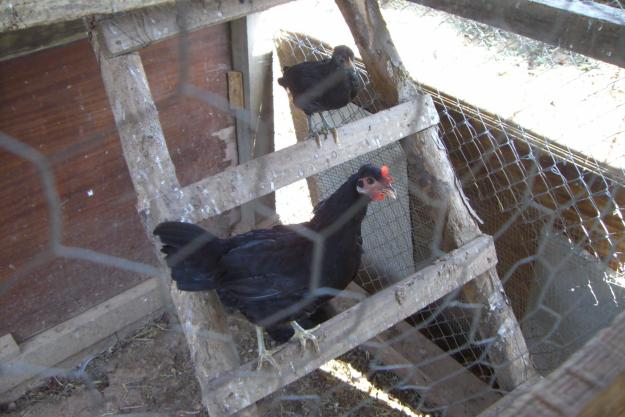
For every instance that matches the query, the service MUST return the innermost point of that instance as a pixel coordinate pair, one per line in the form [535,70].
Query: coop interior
[492,285]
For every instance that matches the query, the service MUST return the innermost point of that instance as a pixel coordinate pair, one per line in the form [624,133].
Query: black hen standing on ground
[318,86]
[264,273]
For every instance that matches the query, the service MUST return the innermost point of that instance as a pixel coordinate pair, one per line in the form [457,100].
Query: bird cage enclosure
[492,285]
[530,192]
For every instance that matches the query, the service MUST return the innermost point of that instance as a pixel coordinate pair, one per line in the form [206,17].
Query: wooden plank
[135,30]
[239,388]
[241,49]
[235,90]
[233,187]
[22,14]
[40,354]
[154,176]
[443,383]
[589,28]
[8,348]
[503,404]
[151,170]
[589,384]
[22,42]
[435,187]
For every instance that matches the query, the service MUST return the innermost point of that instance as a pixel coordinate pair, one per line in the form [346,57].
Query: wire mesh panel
[399,237]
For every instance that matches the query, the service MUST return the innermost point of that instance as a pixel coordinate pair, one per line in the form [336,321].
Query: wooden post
[590,383]
[434,178]
[242,106]
[154,179]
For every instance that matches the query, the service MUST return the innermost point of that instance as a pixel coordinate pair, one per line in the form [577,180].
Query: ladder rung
[239,388]
[246,182]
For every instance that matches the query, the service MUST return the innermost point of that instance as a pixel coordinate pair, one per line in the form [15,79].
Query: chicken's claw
[335,135]
[263,354]
[304,335]
[317,139]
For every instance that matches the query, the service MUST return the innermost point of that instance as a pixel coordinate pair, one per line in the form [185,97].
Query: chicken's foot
[312,133]
[264,355]
[327,128]
[304,335]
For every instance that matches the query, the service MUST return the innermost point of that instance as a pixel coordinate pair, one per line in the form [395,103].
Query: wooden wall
[54,101]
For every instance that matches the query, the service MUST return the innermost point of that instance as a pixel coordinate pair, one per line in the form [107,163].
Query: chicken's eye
[370,180]
[361,183]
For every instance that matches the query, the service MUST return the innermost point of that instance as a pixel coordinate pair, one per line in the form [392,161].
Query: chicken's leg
[311,132]
[263,354]
[333,131]
[305,335]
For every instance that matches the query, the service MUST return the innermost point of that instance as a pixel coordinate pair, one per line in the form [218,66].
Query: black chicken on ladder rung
[267,274]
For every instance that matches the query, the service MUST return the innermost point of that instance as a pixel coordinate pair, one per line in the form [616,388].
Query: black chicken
[318,86]
[266,274]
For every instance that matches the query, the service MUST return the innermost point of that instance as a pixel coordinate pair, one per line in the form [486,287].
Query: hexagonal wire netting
[557,217]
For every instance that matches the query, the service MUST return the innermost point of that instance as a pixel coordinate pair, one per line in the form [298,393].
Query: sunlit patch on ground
[347,373]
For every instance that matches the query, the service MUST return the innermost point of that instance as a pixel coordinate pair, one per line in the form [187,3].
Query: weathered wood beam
[443,383]
[239,388]
[241,49]
[261,176]
[41,355]
[153,176]
[590,383]
[503,404]
[21,14]
[436,186]
[23,42]
[131,31]
[589,28]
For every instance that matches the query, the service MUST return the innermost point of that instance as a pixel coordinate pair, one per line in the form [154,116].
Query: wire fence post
[433,174]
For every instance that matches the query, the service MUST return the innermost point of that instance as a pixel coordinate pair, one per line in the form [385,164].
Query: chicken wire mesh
[556,216]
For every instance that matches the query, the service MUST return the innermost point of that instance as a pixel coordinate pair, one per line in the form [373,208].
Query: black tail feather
[191,253]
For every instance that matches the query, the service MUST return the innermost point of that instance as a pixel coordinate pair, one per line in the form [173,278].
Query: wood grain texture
[589,384]
[233,187]
[22,14]
[436,186]
[160,198]
[131,31]
[441,382]
[589,28]
[54,101]
[27,41]
[238,388]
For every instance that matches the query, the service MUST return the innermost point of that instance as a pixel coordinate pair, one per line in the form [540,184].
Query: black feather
[265,272]
[322,85]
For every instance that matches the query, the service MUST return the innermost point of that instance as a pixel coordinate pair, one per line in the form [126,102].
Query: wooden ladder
[226,386]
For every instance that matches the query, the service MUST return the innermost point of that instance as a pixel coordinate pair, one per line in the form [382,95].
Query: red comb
[386,173]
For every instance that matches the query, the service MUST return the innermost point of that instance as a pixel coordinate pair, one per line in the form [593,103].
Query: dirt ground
[150,374]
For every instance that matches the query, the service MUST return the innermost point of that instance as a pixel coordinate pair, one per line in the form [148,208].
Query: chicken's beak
[389,191]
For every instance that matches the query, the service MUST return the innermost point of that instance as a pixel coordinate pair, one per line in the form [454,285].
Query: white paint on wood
[226,135]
